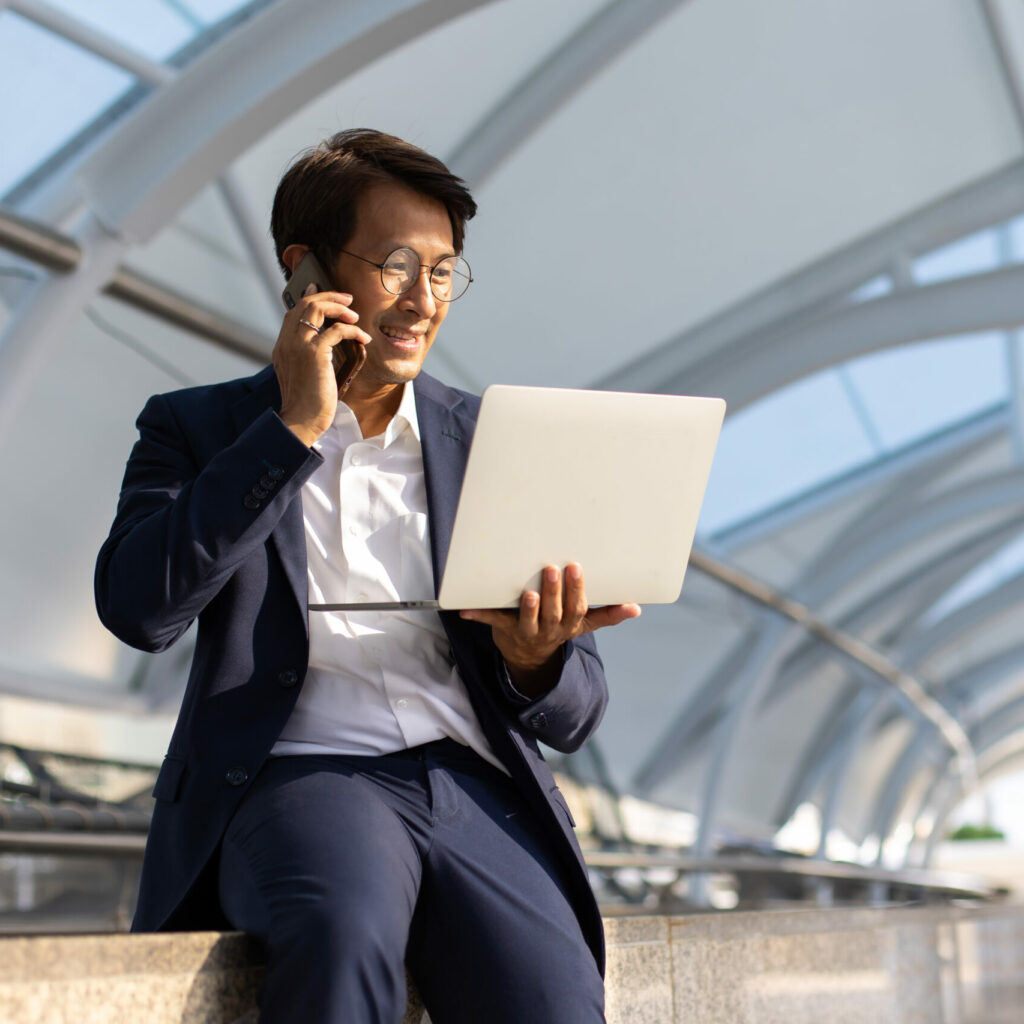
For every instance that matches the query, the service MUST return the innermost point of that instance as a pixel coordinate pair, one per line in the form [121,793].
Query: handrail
[129,845]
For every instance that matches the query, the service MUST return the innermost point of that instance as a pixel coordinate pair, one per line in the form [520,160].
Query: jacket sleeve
[183,527]
[568,714]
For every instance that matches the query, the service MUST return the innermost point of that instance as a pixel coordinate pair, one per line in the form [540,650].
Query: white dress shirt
[377,681]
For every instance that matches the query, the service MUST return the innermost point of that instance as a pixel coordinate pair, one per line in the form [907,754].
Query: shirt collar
[405,416]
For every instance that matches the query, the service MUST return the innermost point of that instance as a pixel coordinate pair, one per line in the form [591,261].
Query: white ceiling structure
[813,208]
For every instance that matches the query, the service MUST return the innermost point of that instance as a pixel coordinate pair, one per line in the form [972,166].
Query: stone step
[945,965]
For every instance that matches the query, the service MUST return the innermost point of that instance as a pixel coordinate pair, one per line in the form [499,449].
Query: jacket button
[235,776]
[276,472]
[260,492]
[267,482]
[289,677]
[251,501]
[539,720]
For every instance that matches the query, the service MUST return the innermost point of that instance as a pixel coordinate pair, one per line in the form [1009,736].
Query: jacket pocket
[168,782]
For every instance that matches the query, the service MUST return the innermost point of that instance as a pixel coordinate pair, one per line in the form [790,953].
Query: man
[359,790]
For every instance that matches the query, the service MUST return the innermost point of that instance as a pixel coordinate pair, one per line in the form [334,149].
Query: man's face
[403,327]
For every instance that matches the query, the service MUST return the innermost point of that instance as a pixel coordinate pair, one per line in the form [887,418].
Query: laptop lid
[611,480]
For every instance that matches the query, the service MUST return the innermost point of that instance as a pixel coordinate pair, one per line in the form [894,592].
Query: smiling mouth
[405,338]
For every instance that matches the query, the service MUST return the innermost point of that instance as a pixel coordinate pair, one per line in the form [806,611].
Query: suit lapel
[446,429]
[289,536]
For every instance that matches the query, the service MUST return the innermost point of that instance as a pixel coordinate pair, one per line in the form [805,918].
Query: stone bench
[944,964]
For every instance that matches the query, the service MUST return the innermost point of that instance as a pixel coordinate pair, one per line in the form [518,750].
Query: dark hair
[318,196]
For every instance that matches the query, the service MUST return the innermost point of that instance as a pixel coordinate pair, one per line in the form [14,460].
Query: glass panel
[60,86]
[913,391]
[970,255]
[1017,239]
[872,289]
[995,570]
[210,11]
[150,27]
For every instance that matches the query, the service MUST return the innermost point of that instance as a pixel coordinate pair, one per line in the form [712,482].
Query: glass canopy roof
[840,258]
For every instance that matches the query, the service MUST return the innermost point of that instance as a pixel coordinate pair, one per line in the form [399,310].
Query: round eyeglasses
[449,277]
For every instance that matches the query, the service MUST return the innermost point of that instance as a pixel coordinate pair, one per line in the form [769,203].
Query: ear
[292,255]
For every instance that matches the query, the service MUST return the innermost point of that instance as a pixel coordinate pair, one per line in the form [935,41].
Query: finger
[338,332]
[575,596]
[529,608]
[550,614]
[494,617]
[319,310]
[611,615]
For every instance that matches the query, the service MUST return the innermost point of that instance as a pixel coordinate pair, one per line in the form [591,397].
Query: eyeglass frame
[422,266]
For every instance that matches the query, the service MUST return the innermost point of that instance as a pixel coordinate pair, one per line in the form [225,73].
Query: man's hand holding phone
[305,361]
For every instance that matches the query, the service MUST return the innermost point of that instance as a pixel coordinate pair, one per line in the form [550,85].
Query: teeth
[391,332]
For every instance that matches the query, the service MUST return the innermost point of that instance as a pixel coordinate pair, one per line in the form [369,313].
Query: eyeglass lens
[448,279]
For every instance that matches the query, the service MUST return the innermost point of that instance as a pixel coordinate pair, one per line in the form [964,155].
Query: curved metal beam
[899,471]
[752,367]
[233,94]
[851,647]
[1004,723]
[825,283]
[95,42]
[965,620]
[548,86]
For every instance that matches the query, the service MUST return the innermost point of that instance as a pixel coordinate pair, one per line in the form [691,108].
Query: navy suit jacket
[209,527]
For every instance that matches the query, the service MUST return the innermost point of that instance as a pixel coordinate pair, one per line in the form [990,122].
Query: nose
[419,297]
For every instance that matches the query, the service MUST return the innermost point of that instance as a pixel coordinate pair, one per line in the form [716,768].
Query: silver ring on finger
[311,326]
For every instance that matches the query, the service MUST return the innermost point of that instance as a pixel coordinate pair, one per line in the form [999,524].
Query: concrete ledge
[902,966]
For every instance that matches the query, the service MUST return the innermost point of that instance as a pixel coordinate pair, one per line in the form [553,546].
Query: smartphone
[348,355]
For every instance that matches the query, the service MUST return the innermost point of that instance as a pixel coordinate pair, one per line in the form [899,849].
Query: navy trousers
[349,868]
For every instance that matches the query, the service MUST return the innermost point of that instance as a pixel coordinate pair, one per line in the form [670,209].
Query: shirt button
[235,776]
[356,460]
[352,530]
[362,596]
[401,703]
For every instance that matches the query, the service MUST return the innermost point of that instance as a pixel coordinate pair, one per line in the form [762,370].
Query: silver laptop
[610,480]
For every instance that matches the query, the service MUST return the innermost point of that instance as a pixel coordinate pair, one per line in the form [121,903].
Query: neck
[374,407]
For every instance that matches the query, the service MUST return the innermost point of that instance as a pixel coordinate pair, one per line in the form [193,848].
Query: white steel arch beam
[233,94]
[959,625]
[997,502]
[999,496]
[847,713]
[99,43]
[139,176]
[1004,491]
[999,732]
[705,711]
[898,471]
[917,471]
[756,365]
[892,603]
[993,672]
[827,281]
[545,88]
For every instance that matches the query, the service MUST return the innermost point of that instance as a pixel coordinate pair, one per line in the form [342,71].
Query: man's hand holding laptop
[530,638]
